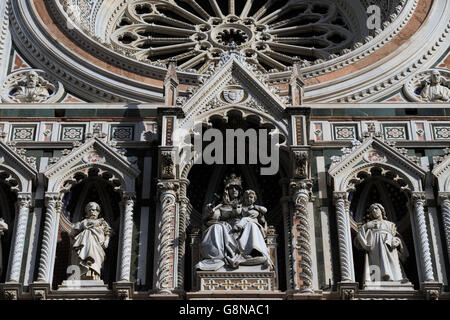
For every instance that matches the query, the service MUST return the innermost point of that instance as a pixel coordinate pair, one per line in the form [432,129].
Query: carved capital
[418,197]
[129,196]
[24,200]
[338,195]
[168,186]
[444,198]
[303,185]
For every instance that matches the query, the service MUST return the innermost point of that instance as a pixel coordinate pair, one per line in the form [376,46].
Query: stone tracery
[197,32]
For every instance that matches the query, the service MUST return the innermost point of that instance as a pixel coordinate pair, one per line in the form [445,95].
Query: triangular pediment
[375,152]
[23,167]
[93,152]
[233,84]
[442,173]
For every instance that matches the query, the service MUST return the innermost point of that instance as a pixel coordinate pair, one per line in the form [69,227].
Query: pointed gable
[21,167]
[233,74]
[442,172]
[375,152]
[94,153]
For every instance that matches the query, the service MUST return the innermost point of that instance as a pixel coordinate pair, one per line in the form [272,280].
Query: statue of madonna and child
[235,231]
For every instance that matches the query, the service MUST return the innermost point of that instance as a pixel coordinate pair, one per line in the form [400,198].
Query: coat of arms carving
[233,95]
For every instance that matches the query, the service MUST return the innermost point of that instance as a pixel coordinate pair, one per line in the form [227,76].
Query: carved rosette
[23,207]
[301,191]
[444,198]
[165,272]
[53,206]
[127,207]
[344,236]
[419,200]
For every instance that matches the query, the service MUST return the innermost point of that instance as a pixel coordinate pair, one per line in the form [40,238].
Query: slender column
[127,206]
[444,198]
[165,273]
[23,208]
[53,206]
[182,225]
[344,237]
[291,268]
[421,229]
[300,196]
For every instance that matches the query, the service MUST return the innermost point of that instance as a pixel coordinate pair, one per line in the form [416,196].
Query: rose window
[196,32]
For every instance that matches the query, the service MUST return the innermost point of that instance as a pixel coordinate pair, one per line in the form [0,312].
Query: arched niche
[110,175]
[383,189]
[17,177]
[97,186]
[361,170]
[204,184]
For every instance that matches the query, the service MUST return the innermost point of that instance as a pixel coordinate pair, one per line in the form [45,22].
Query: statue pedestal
[239,280]
[388,286]
[95,285]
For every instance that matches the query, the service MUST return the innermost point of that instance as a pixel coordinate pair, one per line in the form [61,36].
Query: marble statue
[3,228]
[384,248]
[252,230]
[33,89]
[91,237]
[435,90]
[235,230]
[219,246]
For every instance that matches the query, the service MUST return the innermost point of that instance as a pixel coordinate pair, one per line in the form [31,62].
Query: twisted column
[300,196]
[444,198]
[344,237]
[165,272]
[421,229]
[53,206]
[182,225]
[23,208]
[127,207]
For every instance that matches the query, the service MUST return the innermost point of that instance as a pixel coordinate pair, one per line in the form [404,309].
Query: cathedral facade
[206,149]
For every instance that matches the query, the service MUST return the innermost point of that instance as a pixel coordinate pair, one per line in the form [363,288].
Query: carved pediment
[93,153]
[374,152]
[442,171]
[22,168]
[233,83]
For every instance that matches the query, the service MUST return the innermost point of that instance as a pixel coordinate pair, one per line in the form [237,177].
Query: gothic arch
[95,158]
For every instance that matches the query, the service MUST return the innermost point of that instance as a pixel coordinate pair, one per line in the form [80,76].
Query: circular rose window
[196,32]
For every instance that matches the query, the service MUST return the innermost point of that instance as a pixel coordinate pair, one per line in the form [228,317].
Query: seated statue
[219,247]
[383,246]
[91,237]
[234,232]
[252,230]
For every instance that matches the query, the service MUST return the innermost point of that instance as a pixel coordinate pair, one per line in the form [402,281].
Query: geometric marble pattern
[23,133]
[397,132]
[122,133]
[72,133]
[441,132]
[345,132]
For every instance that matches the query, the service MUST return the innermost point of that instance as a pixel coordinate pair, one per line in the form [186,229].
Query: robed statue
[383,246]
[234,230]
[91,237]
